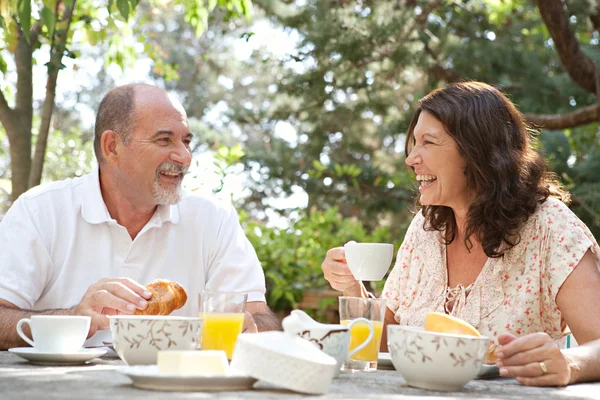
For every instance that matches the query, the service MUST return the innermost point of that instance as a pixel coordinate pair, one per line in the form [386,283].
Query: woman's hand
[533,360]
[338,274]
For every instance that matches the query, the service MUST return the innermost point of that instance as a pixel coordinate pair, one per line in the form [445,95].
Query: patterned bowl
[138,338]
[435,361]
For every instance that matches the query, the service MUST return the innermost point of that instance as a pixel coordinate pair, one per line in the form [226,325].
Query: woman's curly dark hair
[508,176]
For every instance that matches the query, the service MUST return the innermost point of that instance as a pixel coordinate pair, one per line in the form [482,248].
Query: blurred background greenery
[299,106]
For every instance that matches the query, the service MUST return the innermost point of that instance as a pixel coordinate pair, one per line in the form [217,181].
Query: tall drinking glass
[223,319]
[373,310]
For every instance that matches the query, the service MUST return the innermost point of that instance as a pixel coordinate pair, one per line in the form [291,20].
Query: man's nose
[182,154]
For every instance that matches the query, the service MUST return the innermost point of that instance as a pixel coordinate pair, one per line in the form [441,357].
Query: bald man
[89,245]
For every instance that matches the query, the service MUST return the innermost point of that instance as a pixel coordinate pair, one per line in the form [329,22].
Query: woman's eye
[427,142]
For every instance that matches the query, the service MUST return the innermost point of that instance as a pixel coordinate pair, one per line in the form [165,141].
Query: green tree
[32,30]
[351,85]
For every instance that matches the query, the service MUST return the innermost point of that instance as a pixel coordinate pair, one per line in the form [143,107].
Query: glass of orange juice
[222,316]
[373,310]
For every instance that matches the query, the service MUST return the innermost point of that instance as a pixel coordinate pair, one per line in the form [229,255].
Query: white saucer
[36,357]
[384,361]
[486,371]
[148,377]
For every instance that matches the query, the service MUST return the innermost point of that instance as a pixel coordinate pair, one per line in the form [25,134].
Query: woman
[493,243]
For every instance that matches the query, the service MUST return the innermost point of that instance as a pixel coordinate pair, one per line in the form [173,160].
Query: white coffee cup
[369,261]
[56,333]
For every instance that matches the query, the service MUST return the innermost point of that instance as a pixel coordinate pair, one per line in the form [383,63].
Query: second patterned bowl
[138,338]
[435,361]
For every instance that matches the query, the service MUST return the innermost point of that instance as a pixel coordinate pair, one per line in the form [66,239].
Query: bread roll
[167,296]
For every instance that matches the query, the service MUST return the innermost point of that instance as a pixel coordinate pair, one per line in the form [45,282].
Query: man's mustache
[178,168]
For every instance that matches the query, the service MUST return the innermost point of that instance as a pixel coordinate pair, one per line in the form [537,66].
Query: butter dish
[284,361]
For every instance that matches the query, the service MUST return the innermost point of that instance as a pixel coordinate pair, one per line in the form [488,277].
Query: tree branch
[58,45]
[578,65]
[595,18]
[6,115]
[24,65]
[36,29]
[583,116]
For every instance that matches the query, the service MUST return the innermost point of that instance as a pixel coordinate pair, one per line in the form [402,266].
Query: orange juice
[359,333]
[220,331]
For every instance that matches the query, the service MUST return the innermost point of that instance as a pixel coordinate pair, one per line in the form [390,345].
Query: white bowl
[283,360]
[435,361]
[369,261]
[138,338]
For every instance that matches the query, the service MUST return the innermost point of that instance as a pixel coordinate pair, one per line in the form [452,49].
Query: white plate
[36,357]
[486,371]
[148,377]
[385,361]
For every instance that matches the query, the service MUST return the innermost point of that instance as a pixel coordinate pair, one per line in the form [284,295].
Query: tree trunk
[20,157]
[20,137]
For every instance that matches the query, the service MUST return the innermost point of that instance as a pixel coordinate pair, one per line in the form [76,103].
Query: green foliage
[292,257]
[70,154]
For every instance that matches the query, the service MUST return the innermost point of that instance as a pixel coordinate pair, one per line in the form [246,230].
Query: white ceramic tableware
[138,338]
[56,333]
[283,360]
[435,361]
[332,339]
[369,261]
[39,358]
[148,377]
[486,370]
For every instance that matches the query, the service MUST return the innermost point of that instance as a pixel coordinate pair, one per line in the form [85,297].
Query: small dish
[384,361]
[36,357]
[486,371]
[148,377]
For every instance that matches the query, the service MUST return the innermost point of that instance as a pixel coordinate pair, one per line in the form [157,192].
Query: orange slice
[444,323]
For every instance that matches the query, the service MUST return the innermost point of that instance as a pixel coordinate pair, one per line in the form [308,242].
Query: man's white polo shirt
[57,240]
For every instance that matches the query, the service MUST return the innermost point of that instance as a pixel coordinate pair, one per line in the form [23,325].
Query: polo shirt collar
[94,211]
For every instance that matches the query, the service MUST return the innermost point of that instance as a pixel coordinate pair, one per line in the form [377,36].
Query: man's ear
[111,144]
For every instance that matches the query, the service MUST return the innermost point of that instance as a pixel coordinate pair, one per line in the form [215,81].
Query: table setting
[209,356]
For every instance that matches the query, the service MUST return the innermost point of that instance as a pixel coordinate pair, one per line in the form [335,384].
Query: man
[62,245]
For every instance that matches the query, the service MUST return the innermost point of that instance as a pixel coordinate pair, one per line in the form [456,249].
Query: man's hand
[260,318]
[111,296]
[249,324]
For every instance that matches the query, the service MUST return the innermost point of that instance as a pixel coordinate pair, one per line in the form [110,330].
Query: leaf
[123,6]
[50,4]
[247,9]
[48,18]
[3,66]
[24,12]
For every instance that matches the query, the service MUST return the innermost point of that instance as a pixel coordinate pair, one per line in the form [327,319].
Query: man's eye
[187,142]
[164,140]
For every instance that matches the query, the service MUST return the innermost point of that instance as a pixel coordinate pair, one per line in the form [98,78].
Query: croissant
[167,296]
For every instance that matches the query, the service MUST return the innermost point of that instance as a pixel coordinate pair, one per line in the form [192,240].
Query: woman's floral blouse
[515,293]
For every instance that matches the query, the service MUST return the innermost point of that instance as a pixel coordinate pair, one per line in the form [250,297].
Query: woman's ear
[110,144]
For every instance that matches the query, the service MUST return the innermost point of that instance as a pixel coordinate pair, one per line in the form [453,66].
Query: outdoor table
[99,379]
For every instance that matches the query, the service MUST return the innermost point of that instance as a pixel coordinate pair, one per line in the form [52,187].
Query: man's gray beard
[166,195]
